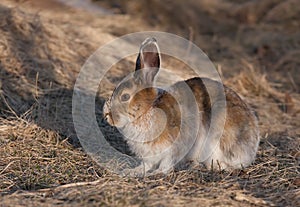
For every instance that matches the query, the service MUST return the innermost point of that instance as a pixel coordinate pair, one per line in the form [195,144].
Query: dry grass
[41,161]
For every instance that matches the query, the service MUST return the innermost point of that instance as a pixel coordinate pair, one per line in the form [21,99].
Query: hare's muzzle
[108,118]
[107,113]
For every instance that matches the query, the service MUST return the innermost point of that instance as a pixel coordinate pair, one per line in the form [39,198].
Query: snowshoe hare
[135,108]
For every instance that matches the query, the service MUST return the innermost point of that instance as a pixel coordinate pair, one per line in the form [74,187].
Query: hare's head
[134,95]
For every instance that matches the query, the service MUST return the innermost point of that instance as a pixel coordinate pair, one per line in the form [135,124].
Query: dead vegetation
[41,53]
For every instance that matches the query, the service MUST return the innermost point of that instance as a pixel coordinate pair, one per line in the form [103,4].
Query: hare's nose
[107,116]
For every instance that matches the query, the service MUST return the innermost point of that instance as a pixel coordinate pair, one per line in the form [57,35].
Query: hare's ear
[148,61]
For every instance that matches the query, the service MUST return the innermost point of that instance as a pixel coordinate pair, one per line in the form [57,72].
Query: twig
[70,185]
[8,106]
[191,37]
[293,82]
[7,166]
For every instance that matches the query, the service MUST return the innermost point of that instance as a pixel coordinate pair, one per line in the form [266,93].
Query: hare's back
[214,98]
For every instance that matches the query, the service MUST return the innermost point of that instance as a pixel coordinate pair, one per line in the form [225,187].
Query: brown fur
[236,109]
[152,133]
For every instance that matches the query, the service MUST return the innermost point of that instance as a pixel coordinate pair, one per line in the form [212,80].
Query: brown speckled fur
[152,119]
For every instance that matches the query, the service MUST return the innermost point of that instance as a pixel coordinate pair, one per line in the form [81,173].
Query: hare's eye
[125,97]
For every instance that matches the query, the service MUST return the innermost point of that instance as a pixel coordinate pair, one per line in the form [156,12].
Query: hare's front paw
[135,172]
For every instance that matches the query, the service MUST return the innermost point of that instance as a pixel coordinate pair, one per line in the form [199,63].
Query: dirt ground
[255,46]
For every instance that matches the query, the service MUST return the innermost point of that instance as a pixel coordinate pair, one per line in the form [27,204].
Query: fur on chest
[150,133]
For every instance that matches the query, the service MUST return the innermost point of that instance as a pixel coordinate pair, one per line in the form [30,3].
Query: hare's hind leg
[238,157]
